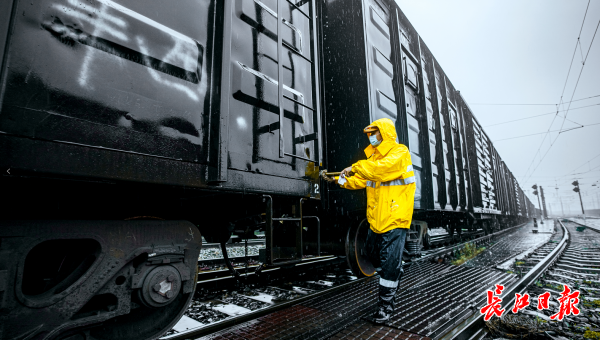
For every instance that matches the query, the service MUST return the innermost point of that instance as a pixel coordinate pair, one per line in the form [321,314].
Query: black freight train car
[126,126]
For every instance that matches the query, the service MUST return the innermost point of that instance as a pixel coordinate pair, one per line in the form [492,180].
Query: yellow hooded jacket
[387,173]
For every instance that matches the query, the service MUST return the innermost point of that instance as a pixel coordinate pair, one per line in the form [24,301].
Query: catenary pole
[545,210]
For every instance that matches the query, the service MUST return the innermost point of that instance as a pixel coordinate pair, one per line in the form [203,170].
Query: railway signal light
[576,189]
[534,187]
[535,192]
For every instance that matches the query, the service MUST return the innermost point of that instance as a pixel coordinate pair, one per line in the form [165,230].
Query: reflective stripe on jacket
[388,176]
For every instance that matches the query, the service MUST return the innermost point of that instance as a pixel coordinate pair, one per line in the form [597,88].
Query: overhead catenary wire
[589,176]
[577,168]
[580,72]
[584,177]
[585,172]
[540,115]
[500,104]
[563,91]
[541,133]
[511,104]
[575,51]
[582,67]
[575,89]
[566,113]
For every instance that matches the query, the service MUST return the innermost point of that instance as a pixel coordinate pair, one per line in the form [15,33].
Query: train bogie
[69,275]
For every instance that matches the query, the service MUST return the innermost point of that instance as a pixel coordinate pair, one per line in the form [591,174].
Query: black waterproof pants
[385,253]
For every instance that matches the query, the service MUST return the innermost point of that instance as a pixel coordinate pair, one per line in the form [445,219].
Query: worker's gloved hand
[327,178]
[348,171]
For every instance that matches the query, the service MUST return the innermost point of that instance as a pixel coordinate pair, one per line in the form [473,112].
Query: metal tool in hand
[328,176]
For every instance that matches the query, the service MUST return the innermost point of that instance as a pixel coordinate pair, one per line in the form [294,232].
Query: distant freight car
[129,128]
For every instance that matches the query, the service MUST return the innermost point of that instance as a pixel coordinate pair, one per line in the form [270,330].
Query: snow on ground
[232,251]
[590,222]
[546,228]
[437,231]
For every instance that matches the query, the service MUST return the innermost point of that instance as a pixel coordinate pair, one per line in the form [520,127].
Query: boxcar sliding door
[383,101]
[269,108]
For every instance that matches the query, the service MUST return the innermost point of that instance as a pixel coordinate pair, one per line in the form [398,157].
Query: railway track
[446,239]
[571,258]
[221,278]
[439,296]
[212,312]
[214,271]
[211,259]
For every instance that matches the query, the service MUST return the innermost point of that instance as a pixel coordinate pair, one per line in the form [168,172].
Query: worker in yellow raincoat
[388,176]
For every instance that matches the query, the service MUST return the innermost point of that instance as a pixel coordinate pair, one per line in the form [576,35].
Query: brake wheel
[356,253]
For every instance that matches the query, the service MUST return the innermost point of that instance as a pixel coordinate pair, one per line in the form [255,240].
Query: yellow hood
[387,129]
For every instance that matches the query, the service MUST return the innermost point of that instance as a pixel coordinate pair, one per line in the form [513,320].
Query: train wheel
[118,280]
[356,254]
[426,241]
[144,322]
[486,228]
[454,237]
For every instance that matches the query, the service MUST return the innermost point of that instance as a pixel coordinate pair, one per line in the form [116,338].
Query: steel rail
[232,321]
[211,328]
[585,225]
[474,326]
[229,322]
[456,247]
[225,274]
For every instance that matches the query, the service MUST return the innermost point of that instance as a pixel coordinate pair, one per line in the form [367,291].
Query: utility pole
[545,211]
[560,199]
[576,189]
[597,196]
[534,187]
[561,208]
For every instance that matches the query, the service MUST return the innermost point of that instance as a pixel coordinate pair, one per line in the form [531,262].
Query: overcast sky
[519,52]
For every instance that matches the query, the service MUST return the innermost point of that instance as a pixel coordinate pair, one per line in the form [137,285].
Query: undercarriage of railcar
[122,264]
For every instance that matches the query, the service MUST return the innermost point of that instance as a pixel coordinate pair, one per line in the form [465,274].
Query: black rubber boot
[385,304]
[385,252]
[380,316]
